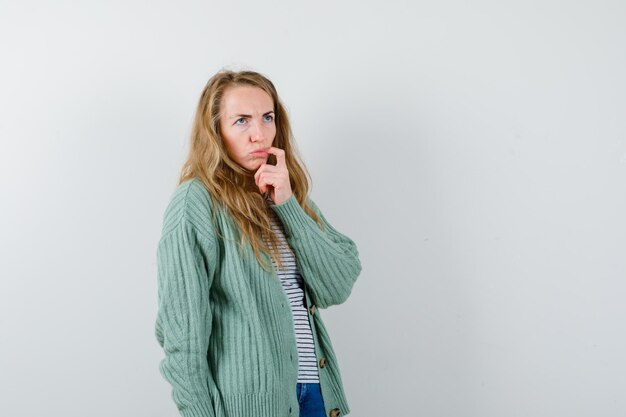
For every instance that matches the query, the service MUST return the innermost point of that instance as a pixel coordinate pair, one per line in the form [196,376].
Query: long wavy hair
[232,186]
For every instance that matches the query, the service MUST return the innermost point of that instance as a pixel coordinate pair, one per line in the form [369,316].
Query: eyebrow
[248,115]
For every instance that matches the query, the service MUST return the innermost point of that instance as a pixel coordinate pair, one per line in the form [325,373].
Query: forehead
[246,99]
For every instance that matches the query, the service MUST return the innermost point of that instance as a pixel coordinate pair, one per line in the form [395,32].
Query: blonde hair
[231,185]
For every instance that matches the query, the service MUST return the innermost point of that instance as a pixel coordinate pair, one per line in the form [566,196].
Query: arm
[183,323]
[328,260]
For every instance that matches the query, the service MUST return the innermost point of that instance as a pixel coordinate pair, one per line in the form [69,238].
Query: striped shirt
[292,283]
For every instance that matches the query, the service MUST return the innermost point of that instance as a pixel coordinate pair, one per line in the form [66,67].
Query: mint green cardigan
[225,324]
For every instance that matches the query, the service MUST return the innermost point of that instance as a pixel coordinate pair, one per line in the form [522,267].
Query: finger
[266,168]
[280,156]
[262,183]
[267,178]
[258,172]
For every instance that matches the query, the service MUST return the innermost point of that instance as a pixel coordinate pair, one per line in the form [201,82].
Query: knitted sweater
[225,324]
[293,284]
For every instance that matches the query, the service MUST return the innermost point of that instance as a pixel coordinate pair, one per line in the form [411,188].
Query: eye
[238,120]
[269,117]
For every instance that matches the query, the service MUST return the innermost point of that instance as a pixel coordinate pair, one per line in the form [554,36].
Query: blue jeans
[310,400]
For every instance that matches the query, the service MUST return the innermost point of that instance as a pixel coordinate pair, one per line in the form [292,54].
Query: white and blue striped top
[293,284]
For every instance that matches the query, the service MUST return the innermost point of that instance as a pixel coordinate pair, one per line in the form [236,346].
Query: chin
[257,162]
[254,165]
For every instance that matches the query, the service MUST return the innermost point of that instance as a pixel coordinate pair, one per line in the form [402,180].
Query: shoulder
[190,203]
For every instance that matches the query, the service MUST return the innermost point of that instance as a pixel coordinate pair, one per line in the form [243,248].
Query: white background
[475,152]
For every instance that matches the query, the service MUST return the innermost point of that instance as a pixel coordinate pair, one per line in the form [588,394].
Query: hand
[274,178]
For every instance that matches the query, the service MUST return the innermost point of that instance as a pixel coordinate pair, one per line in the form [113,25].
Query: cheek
[231,142]
[239,150]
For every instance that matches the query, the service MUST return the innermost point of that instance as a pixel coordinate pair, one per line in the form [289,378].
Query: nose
[257,133]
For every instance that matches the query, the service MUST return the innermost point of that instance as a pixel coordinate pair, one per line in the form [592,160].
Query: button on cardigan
[225,324]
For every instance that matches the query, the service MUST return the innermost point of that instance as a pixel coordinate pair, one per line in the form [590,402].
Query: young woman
[246,261]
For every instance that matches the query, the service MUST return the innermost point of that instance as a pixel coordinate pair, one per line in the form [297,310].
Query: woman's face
[247,125]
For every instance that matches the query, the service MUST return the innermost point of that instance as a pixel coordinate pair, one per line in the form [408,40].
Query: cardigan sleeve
[328,260]
[183,324]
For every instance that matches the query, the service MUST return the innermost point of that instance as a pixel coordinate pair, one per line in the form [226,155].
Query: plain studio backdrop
[474,151]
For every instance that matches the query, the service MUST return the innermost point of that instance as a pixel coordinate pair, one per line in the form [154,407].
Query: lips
[259,152]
